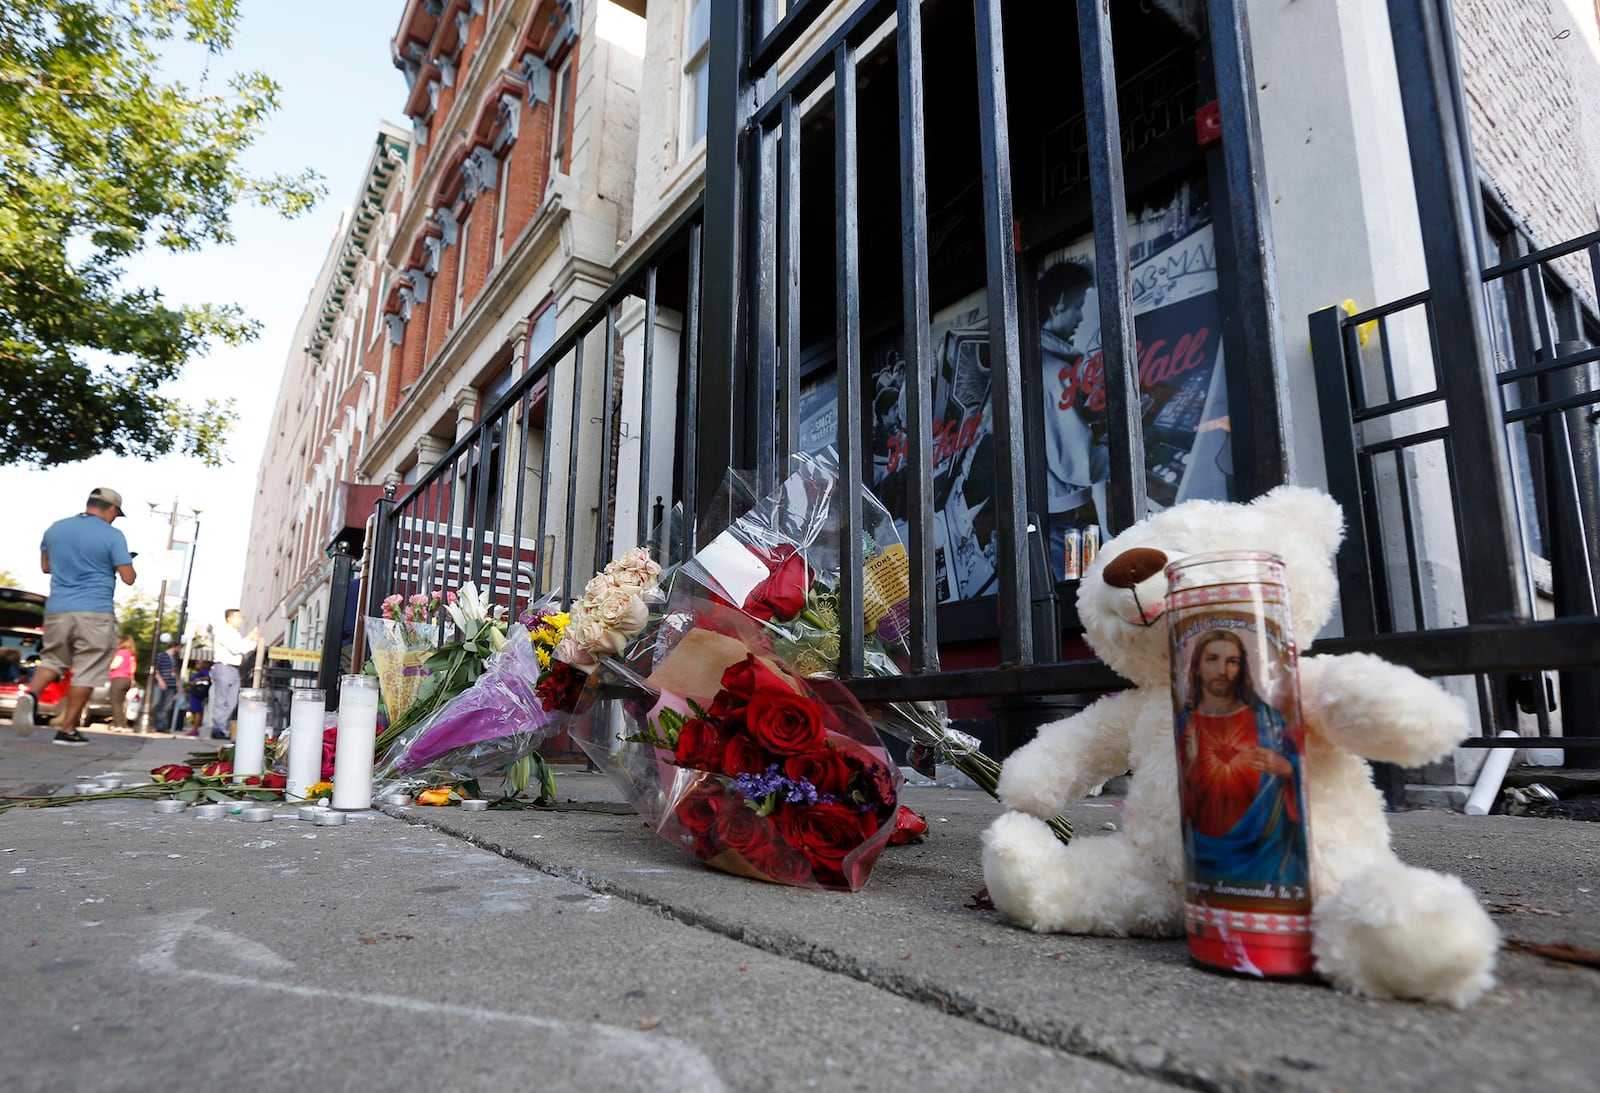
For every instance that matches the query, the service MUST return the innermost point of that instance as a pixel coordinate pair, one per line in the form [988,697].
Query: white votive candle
[250,740]
[358,733]
[305,741]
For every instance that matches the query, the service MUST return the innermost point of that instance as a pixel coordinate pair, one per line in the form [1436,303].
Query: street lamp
[161,597]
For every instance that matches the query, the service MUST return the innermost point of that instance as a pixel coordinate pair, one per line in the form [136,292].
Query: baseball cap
[107,496]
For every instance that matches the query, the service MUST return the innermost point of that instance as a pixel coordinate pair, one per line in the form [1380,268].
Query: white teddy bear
[1379,927]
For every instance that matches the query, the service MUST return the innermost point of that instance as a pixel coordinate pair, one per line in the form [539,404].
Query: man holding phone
[84,556]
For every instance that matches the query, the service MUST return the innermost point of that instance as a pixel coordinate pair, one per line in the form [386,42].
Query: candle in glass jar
[358,733]
[250,740]
[305,742]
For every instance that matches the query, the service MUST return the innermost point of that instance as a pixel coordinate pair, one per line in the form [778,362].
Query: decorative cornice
[382,168]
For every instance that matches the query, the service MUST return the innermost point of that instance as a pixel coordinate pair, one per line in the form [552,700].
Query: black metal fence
[1416,509]
[525,502]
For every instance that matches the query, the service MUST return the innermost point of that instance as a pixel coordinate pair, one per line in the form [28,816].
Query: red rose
[786,867]
[742,680]
[220,769]
[700,746]
[826,833]
[330,744]
[558,691]
[824,768]
[783,722]
[172,772]
[269,780]
[698,811]
[783,594]
[739,829]
[908,827]
[743,755]
[877,778]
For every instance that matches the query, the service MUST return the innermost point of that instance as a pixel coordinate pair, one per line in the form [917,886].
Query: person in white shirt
[231,649]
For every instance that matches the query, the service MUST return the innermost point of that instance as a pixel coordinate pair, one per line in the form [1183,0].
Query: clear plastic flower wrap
[779,563]
[728,753]
[487,728]
[400,649]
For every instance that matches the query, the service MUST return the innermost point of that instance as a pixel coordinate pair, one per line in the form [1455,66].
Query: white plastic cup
[358,733]
[305,742]
[250,737]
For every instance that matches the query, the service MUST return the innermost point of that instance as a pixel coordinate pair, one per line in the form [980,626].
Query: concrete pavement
[573,949]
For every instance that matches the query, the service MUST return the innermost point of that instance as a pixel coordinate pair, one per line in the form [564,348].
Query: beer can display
[1241,764]
[1072,545]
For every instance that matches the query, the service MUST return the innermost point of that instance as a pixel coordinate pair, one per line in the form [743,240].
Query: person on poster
[1241,806]
[1076,451]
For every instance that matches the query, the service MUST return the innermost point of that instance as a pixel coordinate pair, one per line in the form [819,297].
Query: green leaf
[190,795]
[218,796]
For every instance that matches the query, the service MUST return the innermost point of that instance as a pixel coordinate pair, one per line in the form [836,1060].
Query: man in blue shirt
[84,556]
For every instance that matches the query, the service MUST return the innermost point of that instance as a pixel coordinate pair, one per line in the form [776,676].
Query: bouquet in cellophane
[779,564]
[728,753]
[497,723]
[401,640]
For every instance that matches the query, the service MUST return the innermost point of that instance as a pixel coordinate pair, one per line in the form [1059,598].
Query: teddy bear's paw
[1035,788]
[1405,932]
[1094,886]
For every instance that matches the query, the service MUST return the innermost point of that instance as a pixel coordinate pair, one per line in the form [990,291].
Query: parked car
[21,638]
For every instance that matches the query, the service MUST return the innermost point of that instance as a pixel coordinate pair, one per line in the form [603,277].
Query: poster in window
[1182,387]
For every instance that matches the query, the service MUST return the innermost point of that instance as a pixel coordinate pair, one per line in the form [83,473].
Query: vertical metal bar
[455,544]
[691,398]
[475,508]
[721,432]
[333,628]
[1405,474]
[498,450]
[1113,281]
[603,542]
[1005,387]
[1382,595]
[918,346]
[425,568]
[1262,457]
[767,392]
[848,353]
[571,532]
[787,287]
[544,486]
[1541,309]
[647,382]
[1344,482]
[525,411]
[1493,567]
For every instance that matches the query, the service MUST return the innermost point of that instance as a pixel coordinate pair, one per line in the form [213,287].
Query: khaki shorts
[82,641]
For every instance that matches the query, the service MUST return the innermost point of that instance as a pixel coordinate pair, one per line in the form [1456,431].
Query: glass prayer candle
[250,735]
[358,733]
[305,741]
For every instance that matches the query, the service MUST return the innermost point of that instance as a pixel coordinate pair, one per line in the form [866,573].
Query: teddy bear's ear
[1312,514]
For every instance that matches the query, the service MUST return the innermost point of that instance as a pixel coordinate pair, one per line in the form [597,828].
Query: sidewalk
[906,984]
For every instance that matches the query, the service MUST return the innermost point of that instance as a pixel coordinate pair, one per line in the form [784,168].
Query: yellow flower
[320,791]
[544,656]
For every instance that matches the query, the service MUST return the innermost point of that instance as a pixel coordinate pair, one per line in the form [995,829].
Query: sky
[331,61]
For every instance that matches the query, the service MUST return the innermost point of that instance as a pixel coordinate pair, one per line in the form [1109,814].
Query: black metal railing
[1410,476]
[525,501]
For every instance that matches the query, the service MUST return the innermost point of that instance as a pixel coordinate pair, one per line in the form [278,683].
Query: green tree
[101,159]
[9,579]
[136,616]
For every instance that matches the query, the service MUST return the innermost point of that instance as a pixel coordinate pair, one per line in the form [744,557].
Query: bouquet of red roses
[779,564]
[750,767]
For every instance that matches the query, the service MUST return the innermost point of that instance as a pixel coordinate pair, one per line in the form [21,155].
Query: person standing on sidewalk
[166,689]
[123,662]
[231,649]
[84,555]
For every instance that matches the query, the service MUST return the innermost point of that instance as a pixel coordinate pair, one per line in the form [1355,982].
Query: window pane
[698,78]
[699,26]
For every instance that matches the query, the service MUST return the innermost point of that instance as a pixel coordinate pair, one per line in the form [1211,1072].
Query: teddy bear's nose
[1132,566]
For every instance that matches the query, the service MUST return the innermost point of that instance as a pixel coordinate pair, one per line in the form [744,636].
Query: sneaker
[73,739]
[22,722]
[215,735]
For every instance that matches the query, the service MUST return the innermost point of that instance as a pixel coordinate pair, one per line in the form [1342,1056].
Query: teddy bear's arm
[1070,757]
[1377,710]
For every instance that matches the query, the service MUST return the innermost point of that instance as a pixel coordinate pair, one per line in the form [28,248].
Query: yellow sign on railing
[283,652]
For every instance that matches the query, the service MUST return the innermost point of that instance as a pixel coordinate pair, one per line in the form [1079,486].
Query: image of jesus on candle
[1240,769]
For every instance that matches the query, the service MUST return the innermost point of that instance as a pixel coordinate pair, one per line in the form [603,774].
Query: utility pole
[161,603]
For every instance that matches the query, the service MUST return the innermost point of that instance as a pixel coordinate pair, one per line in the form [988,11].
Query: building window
[542,335]
[696,73]
[462,250]
[561,123]
[502,199]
